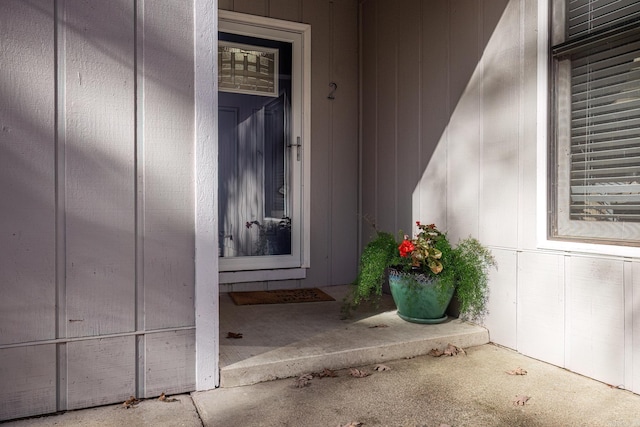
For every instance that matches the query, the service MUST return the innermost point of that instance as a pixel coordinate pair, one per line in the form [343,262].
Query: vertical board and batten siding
[408,106]
[500,125]
[342,119]
[27,176]
[527,149]
[465,122]
[97,194]
[595,318]
[503,299]
[319,14]
[386,120]
[476,127]
[98,371]
[334,135]
[166,156]
[430,200]
[368,171]
[97,130]
[166,194]
[540,307]
[632,322]
[27,200]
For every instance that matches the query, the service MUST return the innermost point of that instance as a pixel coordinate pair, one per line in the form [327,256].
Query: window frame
[546,199]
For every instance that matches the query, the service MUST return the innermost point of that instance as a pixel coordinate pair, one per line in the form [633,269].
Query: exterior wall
[334,135]
[448,131]
[97,169]
[97,201]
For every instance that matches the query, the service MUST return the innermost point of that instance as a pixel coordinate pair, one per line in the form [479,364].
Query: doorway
[263,145]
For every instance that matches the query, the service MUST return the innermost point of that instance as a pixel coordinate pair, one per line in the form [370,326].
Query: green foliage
[465,266]
[447,277]
[376,257]
[472,262]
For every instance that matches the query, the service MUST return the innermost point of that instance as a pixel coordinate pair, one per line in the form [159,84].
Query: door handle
[298,145]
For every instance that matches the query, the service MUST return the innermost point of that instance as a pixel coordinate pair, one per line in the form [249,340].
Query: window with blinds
[589,16]
[597,121]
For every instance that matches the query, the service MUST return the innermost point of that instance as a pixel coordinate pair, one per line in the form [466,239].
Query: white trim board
[206,188]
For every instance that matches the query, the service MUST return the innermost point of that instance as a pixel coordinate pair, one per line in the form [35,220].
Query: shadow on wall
[431,78]
[96,181]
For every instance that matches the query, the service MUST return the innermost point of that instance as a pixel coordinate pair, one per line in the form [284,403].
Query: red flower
[406,247]
[418,223]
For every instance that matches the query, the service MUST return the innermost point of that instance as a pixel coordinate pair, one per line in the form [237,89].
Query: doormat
[284,296]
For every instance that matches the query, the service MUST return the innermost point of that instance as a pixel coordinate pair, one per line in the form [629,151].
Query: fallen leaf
[326,373]
[381,368]
[520,400]
[351,424]
[358,373]
[164,398]
[130,402]
[452,350]
[435,352]
[303,380]
[517,371]
[382,325]
[234,335]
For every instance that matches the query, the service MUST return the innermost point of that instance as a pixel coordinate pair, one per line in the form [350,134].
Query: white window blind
[588,16]
[605,134]
[598,121]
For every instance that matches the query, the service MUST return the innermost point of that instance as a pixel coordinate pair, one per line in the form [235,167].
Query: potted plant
[424,272]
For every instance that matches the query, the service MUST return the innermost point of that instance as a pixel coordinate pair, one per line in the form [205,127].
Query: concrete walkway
[464,390]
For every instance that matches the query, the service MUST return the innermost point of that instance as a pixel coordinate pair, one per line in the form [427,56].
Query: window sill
[589,248]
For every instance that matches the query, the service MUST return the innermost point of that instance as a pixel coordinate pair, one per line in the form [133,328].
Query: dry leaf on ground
[435,352]
[517,371]
[351,424]
[520,400]
[450,350]
[326,373]
[164,398]
[358,373]
[303,380]
[381,368]
[130,402]
[235,335]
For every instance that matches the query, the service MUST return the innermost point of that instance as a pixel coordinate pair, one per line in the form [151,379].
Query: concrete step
[374,339]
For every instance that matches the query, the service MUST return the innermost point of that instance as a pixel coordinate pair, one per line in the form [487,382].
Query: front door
[261,160]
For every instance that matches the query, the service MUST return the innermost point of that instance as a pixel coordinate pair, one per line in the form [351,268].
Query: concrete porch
[286,340]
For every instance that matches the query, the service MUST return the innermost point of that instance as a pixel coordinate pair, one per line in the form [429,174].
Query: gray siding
[97,133]
[463,155]
[97,200]
[27,174]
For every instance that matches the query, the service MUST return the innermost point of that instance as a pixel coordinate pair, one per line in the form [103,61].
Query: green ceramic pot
[419,298]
